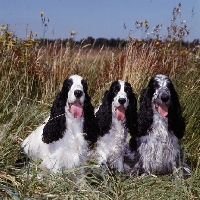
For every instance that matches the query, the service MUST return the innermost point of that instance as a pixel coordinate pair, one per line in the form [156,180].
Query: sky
[96,18]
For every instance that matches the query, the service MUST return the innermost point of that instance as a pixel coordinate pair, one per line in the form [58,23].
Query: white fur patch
[112,146]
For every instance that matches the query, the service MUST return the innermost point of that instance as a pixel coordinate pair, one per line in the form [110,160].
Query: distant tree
[101,41]
[88,40]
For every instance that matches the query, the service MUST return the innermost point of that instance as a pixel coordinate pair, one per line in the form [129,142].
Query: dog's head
[76,88]
[72,98]
[118,102]
[160,86]
[160,96]
[119,95]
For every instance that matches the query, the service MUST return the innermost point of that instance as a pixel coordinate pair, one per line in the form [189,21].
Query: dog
[116,116]
[61,142]
[160,126]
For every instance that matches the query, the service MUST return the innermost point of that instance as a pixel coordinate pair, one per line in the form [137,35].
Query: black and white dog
[62,141]
[116,116]
[160,126]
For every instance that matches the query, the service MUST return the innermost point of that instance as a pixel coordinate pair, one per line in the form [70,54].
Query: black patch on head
[114,89]
[84,83]
[128,89]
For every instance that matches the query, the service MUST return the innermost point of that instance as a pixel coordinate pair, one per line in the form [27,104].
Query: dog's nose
[165,97]
[78,93]
[121,100]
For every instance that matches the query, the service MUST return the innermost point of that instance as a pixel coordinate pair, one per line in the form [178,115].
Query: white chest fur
[159,149]
[68,152]
[111,147]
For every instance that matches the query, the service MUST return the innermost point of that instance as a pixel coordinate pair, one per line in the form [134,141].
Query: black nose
[121,100]
[164,97]
[78,93]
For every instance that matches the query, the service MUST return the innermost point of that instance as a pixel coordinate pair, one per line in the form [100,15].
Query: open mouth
[76,109]
[120,112]
[162,109]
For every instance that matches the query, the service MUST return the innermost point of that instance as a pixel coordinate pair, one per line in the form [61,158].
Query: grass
[31,74]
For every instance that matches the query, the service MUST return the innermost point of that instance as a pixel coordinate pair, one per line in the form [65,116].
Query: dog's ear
[131,119]
[55,127]
[133,143]
[90,126]
[175,120]
[104,114]
[145,113]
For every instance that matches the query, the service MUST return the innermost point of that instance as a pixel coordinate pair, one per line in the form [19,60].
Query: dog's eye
[116,90]
[69,83]
[127,90]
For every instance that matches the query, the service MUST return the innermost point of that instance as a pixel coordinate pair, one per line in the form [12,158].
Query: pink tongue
[120,113]
[162,109]
[76,109]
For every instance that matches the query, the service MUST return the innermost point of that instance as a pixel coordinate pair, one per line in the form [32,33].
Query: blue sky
[96,18]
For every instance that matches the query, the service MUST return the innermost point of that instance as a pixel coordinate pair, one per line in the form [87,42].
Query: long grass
[30,77]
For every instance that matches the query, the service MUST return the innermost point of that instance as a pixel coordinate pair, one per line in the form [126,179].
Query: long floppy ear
[55,127]
[131,120]
[145,113]
[175,120]
[104,114]
[90,126]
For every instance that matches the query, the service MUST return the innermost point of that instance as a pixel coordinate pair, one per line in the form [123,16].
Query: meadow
[31,74]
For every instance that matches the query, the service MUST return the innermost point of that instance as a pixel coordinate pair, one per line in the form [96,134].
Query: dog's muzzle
[78,93]
[121,100]
[161,96]
[161,100]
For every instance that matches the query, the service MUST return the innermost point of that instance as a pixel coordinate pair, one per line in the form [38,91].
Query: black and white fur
[62,141]
[159,150]
[112,144]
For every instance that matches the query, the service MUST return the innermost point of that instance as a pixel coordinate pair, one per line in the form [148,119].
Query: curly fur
[62,140]
[158,146]
[111,144]
[90,126]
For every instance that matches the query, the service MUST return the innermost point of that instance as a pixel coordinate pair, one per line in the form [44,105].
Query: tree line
[104,42]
